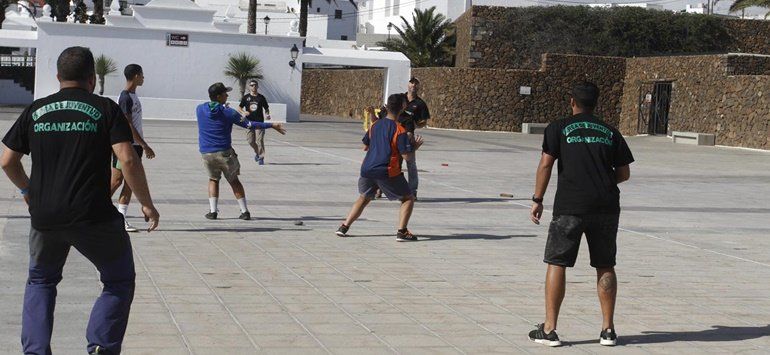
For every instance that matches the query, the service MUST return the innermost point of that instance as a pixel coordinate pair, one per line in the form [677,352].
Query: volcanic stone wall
[337,92]
[706,96]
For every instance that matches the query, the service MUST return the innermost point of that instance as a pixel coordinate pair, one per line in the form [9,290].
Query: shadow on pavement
[717,333]
[428,238]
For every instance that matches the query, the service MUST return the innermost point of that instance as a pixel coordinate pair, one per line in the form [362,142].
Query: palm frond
[427,40]
[242,67]
[739,5]
[104,65]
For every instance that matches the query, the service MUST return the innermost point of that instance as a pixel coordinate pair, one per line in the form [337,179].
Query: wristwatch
[537,200]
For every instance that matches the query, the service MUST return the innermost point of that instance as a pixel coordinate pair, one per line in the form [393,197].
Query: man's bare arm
[622,174]
[11,164]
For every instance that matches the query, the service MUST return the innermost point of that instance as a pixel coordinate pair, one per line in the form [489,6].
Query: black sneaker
[405,236]
[211,215]
[608,337]
[245,216]
[98,350]
[342,231]
[539,336]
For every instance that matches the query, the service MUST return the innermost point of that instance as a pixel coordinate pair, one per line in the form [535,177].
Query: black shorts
[139,151]
[395,188]
[564,234]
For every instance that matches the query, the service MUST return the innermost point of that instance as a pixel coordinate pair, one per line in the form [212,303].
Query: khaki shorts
[223,162]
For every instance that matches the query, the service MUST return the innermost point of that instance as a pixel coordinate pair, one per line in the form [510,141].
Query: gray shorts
[395,188]
[564,235]
[223,162]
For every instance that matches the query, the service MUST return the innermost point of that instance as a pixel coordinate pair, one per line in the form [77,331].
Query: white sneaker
[130,228]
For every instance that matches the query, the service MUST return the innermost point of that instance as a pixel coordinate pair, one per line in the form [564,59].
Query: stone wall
[489,40]
[489,99]
[337,92]
[747,65]
[705,99]
[749,36]
[463,44]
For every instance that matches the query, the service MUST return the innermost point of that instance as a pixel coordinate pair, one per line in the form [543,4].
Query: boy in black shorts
[593,159]
[386,144]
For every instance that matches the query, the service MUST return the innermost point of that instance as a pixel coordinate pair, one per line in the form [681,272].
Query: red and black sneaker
[405,235]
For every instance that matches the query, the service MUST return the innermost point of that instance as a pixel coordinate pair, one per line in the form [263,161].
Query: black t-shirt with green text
[587,152]
[69,137]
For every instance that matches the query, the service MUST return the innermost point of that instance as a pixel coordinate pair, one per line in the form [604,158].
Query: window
[338,14]
[344,38]
[387,8]
[317,9]
[396,7]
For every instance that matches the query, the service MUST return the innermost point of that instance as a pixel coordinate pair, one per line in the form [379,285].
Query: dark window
[338,14]
[344,38]
[317,9]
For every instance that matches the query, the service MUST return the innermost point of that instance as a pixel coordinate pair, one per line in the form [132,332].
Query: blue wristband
[24,191]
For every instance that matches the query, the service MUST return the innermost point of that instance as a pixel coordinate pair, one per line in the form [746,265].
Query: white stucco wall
[173,72]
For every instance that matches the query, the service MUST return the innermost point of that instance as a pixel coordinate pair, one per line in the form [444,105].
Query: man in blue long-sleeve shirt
[215,127]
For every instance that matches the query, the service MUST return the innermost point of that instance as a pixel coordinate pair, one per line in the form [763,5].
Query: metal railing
[7,60]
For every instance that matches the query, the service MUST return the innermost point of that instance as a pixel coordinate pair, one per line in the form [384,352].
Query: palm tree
[104,66]
[242,67]
[304,6]
[427,41]
[739,5]
[251,16]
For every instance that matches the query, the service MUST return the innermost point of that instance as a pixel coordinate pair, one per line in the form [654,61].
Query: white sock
[213,204]
[122,209]
[242,203]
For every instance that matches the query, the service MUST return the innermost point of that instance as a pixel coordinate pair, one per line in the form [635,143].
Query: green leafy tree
[98,15]
[739,5]
[427,41]
[104,66]
[242,67]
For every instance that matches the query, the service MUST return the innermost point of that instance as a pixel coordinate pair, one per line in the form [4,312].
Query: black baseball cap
[217,89]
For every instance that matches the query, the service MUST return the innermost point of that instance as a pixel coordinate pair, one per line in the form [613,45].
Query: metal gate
[654,104]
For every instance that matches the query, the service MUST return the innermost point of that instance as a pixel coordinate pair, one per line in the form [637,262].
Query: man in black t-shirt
[593,159]
[415,116]
[252,106]
[70,136]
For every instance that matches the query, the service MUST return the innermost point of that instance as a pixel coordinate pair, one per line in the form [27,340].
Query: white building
[333,20]
[643,5]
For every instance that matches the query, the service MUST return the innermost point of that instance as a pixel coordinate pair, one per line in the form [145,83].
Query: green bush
[619,31]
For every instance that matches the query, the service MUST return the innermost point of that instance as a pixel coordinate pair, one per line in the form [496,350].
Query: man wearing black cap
[254,106]
[415,116]
[215,127]
[593,159]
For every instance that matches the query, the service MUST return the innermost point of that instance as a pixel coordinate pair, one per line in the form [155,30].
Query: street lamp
[294,55]
[267,22]
[390,27]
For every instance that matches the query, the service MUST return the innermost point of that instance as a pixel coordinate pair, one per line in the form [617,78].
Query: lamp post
[294,54]
[390,27]
[267,22]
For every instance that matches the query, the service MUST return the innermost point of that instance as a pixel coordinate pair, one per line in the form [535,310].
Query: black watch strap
[537,200]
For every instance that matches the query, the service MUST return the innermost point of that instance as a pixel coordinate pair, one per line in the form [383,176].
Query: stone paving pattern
[693,253]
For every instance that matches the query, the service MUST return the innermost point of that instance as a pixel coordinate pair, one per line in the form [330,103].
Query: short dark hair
[396,103]
[254,81]
[585,94]
[75,64]
[132,70]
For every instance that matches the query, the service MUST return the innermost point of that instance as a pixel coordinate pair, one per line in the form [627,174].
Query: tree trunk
[303,9]
[252,17]
[62,10]
[101,85]
[98,16]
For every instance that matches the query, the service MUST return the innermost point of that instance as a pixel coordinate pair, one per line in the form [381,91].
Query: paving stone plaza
[693,258]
